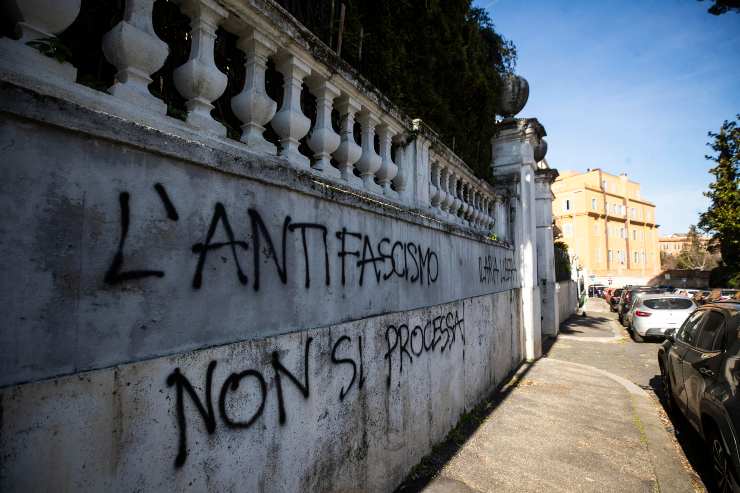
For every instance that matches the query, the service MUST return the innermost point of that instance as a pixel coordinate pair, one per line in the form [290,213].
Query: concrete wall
[567,295]
[134,261]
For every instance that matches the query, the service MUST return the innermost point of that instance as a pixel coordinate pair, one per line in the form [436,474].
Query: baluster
[399,181]
[450,190]
[486,219]
[435,194]
[475,216]
[290,123]
[348,151]
[464,189]
[443,189]
[470,209]
[388,169]
[455,198]
[369,162]
[324,140]
[136,51]
[36,20]
[252,105]
[199,80]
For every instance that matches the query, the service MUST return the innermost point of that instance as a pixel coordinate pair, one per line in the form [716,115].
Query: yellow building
[676,243]
[608,226]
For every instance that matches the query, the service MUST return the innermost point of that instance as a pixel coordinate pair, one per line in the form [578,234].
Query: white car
[652,314]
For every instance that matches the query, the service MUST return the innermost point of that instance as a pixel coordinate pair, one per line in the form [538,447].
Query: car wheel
[721,473]
[670,404]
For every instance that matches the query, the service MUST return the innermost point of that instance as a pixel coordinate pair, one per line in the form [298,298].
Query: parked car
[625,300]
[688,292]
[727,294]
[700,370]
[614,299]
[595,289]
[652,314]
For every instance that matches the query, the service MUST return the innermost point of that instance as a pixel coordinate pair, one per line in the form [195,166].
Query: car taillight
[640,313]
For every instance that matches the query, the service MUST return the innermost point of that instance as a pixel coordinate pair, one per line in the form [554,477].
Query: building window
[604,185]
[632,213]
[621,257]
[643,257]
[637,258]
[634,234]
[568,229]
[610,256]
[593,204]
[621,232]
[566,205]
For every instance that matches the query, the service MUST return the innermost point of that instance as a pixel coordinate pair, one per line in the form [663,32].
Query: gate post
[514,167]
[544,176]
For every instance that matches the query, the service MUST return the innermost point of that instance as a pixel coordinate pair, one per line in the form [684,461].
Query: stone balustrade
[394,160]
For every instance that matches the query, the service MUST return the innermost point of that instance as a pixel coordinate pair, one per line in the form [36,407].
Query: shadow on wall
[682,278]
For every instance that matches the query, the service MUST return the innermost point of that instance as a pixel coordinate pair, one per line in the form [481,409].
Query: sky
[629,86]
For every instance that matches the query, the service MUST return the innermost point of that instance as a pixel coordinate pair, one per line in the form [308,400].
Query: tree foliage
[720,7]
[722,219]
[439,60]
[695,256]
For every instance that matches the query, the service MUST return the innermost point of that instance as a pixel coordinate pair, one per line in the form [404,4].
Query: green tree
[695,256]
[723,6]
[438,60]
[722,219]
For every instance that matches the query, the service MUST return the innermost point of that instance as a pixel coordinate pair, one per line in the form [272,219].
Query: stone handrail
[408,151]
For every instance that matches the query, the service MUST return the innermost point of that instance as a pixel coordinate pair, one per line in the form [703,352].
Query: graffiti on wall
[435,335]
[491,271]
[382,259]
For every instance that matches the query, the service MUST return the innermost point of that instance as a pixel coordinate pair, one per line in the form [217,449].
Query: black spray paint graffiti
[205,407]
[383,260]
[437,333]
[340,355]
[491,272]
[114,274]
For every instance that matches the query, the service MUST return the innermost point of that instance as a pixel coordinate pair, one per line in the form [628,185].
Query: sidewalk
[568,426]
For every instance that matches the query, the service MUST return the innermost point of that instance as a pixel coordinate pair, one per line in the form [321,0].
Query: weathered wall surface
[361,401]
[113,253]
[567,299]
[180,315]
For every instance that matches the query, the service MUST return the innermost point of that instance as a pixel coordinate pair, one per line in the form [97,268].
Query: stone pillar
[545,250]
[136,51]
[290,123]
[514,166]
[252,105]
[199,80]
[324,140]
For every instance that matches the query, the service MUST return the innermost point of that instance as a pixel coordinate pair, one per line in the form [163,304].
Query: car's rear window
[668,304]
[728,292]
[617,292]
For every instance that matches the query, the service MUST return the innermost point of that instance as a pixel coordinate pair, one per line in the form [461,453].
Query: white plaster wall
[86,348]
[116,429]
[567,296]
[62,228]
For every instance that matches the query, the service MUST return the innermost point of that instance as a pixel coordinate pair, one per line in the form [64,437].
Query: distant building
[676,243]
[608,226]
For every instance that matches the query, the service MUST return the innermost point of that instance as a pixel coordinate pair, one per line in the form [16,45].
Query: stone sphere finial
[540,150]
[514,95]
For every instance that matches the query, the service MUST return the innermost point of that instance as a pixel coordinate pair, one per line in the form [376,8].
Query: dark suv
[700,369]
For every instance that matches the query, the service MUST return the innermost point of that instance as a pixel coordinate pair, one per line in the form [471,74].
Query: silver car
[652,314]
